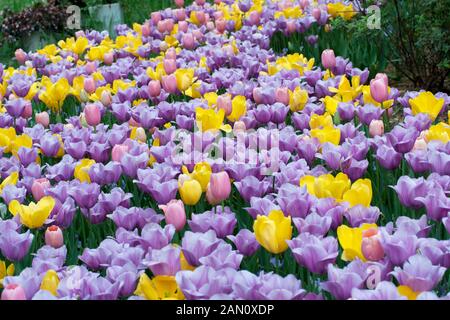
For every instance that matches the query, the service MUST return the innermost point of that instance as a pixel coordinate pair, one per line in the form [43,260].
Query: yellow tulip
[347,92]
[427,103]
[55,93]
[202,173]
[359,193]
[273,230]
[320,121]
[82,170]
[190,190]
[208,119]
[7,136]
[328,134]
[4,271]
[211,98]
[297,99]
[33,215]
[350,240]
[185,78]
[331,104]
[440,132]
[158,288]
[10,180]
[239,108]
[21,141]
[50,282]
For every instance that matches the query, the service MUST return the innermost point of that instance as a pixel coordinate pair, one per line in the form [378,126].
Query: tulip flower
[33,215]
[371,246]
[10,180]
[202,173]
[272,231]
[54,237]
[21,56]
[54,94]
[190,190]
[376,128]
[427,103]
[359,193]
[208,119]
[184,78]
[220,186]
[379,90]
[39,187]
[174,214]
[297,99]
[158,288]
[13,292]
[92,114]
[347,92]
[351,239]
[82,170]
[327,186]
[43,118]
[118,151]
[238,108]
[50,282]
[4,271]
[328,57]
[154,88]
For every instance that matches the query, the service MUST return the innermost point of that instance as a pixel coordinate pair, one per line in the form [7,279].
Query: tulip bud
[201,17]
[145,30]
[169,83]
[90,67]
[190,190]
[188,41]
[54,237]
[328,59]
[379,90]
[371,248]
[217,15]
[254,18]
[108,58]
[180,14]
[168,25]
[84,97]
[183,26]
[171,54]
[174,214]
[220,186]
[291,26]
[154,88]
[179,3]
[210,198]
[376,128]
[106,98]
[92,114]
[384,77]
[257,95]
[13,291]
[89,85]
[316,13]
[27,111]
[221,25]
[156,17]
[170,66]
[282,95]
[224,102]
[304,4]
[161,26]
[39,187]
[210,25]
[118,151]
[21,56]
[200,2]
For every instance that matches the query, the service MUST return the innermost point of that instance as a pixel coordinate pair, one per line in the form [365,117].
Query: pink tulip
[183,26]
[108,58]
[170,65]
[174,213]
[316,13]
[43,118]
[217,15]
[210,198]
[224,102]
[54,237]
[13,291]
[156,17]
[89,85]
[384,77]
[169,83]
[90,67]
[21,56]
[304,3]
[154,88]
[220,186]
[118,151]
[254,18]
[291,26]
[27,111]
[200,2]
[210,26]
[257,95]
[371,248]
[201,17]
[221,25]
[180,14]
[168,25]
[188,41]
[92,114]
[179,3]
[379,90]
[161,26]
[376,128]
[39,187]
[282,95]
[328,59]
[133,123]
[171,54]
[198,35]
[146,30]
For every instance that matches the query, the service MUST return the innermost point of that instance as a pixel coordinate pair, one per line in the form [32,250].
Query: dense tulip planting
[187,160]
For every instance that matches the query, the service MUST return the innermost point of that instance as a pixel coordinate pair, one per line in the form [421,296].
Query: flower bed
[186,159]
